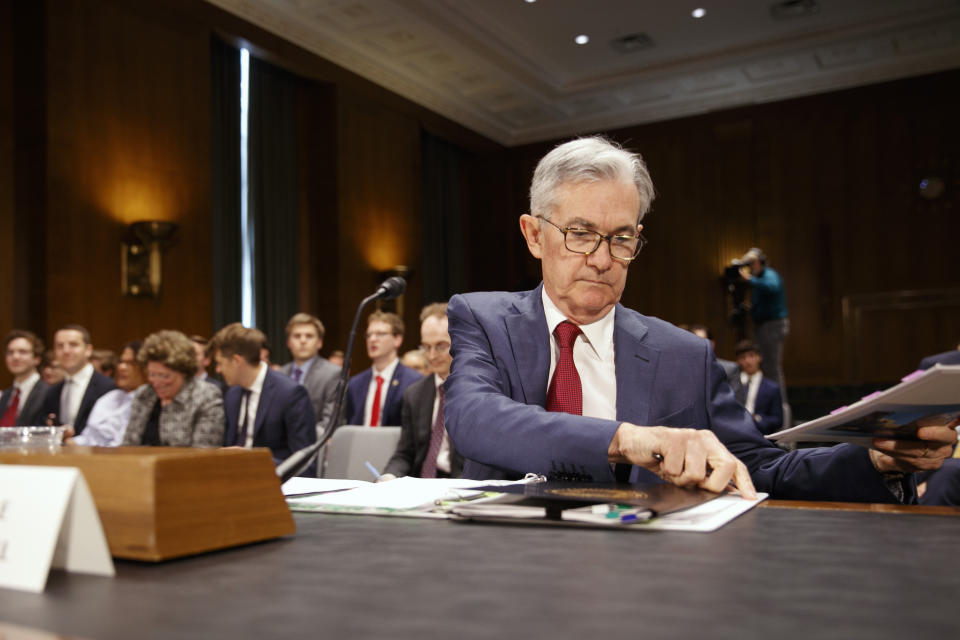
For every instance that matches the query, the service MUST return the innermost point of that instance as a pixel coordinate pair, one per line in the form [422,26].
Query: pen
[372,469]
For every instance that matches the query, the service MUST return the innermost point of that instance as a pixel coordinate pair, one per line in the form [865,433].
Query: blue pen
[372,469]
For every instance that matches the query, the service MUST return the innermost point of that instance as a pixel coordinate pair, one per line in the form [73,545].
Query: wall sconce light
[141,266]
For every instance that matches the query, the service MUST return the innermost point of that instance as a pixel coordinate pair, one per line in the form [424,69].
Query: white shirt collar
[82,377]
[388,370]
[599,334]
[27,385]
[257,385]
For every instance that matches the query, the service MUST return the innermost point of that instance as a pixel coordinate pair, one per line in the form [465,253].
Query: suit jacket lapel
[636,368]
[530,342]
[266,393]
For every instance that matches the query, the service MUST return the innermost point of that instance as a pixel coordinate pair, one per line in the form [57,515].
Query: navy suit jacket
[31,409]
[947,357]
[416,429]
[391,411]
[285,421]
[768,407]
[496,395]
[99,385]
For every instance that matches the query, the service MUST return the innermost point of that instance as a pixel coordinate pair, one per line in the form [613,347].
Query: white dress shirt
[251,405]
[594,358]
[752,384]
[108,420]
[72,394]
[387,375]
[443,456]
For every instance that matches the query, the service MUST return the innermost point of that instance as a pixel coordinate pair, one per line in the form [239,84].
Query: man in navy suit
[375,397]
[648,394]
[263,408]
[22,404]
[947,357]
[69,402]
[757,393]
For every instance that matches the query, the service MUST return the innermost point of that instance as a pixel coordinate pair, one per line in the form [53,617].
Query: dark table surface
[772,573]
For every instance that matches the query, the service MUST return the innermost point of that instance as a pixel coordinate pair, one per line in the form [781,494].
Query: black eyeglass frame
[600,238]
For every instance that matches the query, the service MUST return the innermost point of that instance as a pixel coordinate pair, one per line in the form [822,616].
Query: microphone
[298,461]
[391,288]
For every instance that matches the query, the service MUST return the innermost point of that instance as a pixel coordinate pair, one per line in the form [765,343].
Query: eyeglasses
[441,348]
[378,334]
[622,247]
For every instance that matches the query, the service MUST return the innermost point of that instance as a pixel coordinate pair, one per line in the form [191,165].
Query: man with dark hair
[308,368]
[757,393]
[263,408]
[424,449]
[22,404]
[107,422]
[70,401]
[565,380]
[203,361]
[375,396]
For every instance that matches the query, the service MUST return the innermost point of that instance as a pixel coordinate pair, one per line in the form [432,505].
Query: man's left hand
[935,445]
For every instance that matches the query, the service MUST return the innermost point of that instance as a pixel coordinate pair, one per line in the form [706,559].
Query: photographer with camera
[768,310]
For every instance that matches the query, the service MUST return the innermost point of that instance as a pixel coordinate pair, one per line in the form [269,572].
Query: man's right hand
[684,457]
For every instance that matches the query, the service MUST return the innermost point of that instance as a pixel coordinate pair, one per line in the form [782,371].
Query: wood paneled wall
[828,186]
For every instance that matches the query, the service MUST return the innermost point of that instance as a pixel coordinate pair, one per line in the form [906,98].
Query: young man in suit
[757,393]
[424,449]
[263,407]
[70,401]
[375,397]
[316,375]
[563,379]
[22,404]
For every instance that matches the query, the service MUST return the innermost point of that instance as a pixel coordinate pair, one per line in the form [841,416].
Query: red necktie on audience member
[375,411]
[565,393]
[9,418]
[429,469]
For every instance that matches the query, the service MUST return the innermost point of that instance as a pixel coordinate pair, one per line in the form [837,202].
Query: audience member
[768,310]
[174,409]
[203,361]
[424,449]
[336,358]
[612,370]
[758,394]
[415,359]
[22,403]
[264,408]
[50,370]
[310,369]
[70,401]
[104,361]
[729,366]
[110,415]
[375,396]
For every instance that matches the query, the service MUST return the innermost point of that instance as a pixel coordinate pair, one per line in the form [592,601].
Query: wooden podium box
[157,503]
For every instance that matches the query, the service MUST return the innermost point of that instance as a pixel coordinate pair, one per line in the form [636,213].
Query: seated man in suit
[69,402]
[263,408]
[309,369]
[565,381]
[22,404]
[424,449]
[107,422]
[375,397]
[951,357]
[757,393]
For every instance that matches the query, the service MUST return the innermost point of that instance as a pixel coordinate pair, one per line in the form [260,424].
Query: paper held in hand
[923,397]
[48,518]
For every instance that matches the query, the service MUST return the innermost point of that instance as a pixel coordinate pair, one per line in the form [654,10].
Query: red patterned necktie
[10,415]
[375,411]
[565,393]
[429,469]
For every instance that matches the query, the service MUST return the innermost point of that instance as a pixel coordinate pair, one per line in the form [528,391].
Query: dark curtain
[225,174]
[272,183]
[443,214]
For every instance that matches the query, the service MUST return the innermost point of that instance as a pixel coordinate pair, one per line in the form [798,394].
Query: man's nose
[601,258]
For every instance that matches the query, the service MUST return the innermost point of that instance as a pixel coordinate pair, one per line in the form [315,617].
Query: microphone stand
[300,460]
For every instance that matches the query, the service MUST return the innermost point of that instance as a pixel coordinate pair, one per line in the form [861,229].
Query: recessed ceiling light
[582,39]
[530,1]
[699,12]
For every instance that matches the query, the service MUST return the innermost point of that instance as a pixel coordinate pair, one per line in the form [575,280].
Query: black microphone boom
[294,465]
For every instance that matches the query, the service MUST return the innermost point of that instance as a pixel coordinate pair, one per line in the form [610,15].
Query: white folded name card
[48,518]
